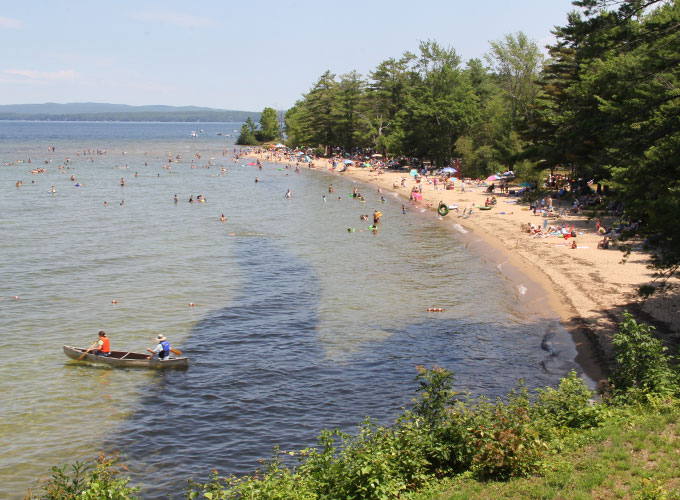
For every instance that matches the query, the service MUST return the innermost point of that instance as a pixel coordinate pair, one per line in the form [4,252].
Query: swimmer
[106,203]
[191,198]
[324,198]
[223,218]
[289,194]
[122,180]
[73,177]
[53,190]
[19,183]
[176,200]
[122,203]
[256,180]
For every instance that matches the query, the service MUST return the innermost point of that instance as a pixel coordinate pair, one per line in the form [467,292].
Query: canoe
[124,359]
[485,208]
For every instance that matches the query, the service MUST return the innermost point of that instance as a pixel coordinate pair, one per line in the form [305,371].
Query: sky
[234,55]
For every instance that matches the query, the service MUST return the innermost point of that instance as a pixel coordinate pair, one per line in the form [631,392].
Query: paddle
[88,350]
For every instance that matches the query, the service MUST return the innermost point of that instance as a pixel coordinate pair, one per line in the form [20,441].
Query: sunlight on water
[298,324]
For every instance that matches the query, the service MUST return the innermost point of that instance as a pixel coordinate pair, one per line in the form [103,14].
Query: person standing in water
[289,194]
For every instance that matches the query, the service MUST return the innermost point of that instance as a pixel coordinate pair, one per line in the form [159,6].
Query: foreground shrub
[506,442]
[570,406]
[642,365]
[81,481]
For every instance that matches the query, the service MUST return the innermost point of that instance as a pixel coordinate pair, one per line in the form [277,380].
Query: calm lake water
[298,324]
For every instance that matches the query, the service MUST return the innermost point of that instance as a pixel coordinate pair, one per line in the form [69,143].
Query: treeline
[138,116]
[605,107]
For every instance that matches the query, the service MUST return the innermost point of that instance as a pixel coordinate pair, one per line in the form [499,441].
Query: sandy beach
[588,287]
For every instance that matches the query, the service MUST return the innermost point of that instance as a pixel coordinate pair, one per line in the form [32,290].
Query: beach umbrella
[493,178]
[299,153]
[279,145]
[449,170]
[413,172]
[307,159]
[347,162]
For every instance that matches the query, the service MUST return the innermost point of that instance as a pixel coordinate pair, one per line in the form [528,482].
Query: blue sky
[233,55]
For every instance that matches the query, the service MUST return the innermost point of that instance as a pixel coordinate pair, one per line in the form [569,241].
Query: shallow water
[299,325]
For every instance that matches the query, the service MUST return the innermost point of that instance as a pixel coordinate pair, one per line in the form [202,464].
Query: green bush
[505,441]
[642,365]
[71,482]
[569,406]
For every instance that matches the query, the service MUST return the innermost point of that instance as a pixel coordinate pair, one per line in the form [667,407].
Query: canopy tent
[449,170]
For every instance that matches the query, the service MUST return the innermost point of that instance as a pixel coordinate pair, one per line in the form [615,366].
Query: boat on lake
[126,359]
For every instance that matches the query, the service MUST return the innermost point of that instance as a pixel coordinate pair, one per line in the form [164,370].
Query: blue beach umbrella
[449,170]
[347,162]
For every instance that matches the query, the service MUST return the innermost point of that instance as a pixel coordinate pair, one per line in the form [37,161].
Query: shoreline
[586,287]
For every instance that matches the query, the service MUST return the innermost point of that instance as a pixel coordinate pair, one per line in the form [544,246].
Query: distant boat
[220,133]
[201,131]
[193,134]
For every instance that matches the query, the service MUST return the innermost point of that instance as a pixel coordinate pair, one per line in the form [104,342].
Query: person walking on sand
[162,349]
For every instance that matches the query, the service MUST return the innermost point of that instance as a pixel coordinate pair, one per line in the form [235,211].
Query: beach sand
[588,287]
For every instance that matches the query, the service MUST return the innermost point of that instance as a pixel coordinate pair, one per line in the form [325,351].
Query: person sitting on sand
[604,244]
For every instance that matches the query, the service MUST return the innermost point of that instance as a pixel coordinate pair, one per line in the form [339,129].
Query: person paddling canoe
[162,350]
[103,347]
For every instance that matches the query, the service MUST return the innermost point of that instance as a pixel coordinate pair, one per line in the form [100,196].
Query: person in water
[223,218]
[162,350]
[289,194]
[103,346]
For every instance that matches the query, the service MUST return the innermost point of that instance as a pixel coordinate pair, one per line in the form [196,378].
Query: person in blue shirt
[162,350]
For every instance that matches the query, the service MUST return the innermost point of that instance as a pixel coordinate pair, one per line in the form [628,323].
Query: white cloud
[175,18]
[8,22]
[31,76]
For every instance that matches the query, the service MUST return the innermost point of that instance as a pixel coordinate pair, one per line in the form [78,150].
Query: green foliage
[642,365]
[82,482]
[570,406]
[506,443]
[247,136]
[269,126]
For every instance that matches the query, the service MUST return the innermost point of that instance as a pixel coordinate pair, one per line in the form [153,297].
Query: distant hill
[93,111]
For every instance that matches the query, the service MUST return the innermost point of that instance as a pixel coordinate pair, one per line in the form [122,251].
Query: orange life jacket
[105,347]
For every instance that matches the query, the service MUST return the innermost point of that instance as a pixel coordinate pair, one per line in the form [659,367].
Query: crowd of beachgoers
[564,233]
